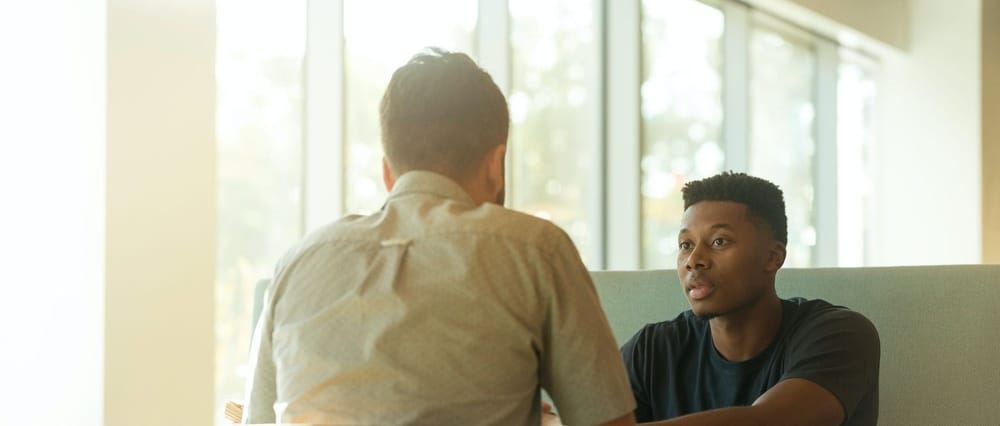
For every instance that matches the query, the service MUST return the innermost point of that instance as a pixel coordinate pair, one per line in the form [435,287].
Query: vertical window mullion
[826,249]
[493,41]
[493,55]
[596,213]
[622,135]
[323,113]
[736,86]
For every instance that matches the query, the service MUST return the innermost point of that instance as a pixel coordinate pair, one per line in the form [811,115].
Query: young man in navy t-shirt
[742,355]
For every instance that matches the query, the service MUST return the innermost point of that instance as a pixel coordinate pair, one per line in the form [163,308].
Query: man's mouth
[698,293]
[698,289]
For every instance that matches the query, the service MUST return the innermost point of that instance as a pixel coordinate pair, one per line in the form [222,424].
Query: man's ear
[495,168]
[387,177]
[775,257]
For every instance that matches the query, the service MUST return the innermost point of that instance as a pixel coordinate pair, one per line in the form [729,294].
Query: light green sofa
[939,326]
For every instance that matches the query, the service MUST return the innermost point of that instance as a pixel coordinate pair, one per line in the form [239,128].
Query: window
[606,98]
[259,140]
[856,94]
[555,127]
[681,97]
[725,87]
[372,53]
[782,81]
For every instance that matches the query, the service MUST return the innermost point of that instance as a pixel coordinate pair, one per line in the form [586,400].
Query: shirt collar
[425,182]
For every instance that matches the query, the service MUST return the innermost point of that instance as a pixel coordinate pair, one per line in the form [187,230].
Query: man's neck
[741,335]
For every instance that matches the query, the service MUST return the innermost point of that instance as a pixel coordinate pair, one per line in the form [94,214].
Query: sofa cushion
[938,326]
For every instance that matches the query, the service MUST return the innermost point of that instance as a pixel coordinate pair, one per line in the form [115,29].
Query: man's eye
[719,242]
[684,245]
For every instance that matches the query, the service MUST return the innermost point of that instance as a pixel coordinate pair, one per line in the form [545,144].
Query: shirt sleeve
[580,366]
[261,390]
[838,350]
[634,357]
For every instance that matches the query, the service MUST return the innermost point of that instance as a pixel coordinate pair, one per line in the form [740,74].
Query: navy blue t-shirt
[676,370]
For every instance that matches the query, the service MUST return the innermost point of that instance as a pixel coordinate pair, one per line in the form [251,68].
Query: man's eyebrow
[721,226]
[713,227]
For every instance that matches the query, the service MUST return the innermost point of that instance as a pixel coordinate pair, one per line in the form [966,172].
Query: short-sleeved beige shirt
[434,311]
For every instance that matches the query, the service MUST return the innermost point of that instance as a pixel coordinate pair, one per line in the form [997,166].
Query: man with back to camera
[741,355]
[443,307]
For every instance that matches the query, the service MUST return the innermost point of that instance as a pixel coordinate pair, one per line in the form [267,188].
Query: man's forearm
[737,416]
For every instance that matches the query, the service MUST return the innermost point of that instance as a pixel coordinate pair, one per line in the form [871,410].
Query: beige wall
[160,269]
[991,130]
[52,212]
[884,22]
[928,152]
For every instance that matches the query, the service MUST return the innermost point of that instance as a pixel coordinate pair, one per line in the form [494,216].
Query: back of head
[441,113]
[764,200]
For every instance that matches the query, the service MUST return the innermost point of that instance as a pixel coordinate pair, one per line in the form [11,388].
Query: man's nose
[698,259]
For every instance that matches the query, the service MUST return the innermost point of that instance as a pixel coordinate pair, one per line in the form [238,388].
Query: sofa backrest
[938,327]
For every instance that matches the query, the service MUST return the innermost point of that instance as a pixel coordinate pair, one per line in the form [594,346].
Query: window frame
[824,130]
[617,243]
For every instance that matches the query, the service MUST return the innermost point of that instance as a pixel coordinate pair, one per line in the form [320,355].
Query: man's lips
[698,288]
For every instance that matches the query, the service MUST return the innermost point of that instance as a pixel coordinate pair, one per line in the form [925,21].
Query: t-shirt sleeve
[838,350]
[581,368]
[635,356]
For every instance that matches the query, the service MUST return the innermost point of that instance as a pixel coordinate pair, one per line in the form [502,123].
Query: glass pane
[681,115]
[553,97]
[856,91]
[782,73]
[376,42]
[259,136]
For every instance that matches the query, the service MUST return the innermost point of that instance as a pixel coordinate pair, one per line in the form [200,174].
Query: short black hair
[441,112]
[764,200]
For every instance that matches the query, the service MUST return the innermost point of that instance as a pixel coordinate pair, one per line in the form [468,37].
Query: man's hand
[549,418]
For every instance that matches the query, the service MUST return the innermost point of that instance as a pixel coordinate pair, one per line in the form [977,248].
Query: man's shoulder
[512,226]
[496,215]
[822,309]
[672,334]
[343,230]
[445,221]
[811,314]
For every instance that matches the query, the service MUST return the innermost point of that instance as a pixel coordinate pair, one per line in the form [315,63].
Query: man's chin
[706,316]
[703,313]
